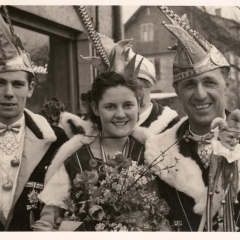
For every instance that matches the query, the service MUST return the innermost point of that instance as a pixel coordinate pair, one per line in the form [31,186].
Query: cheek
[104,115]
[134,112]
[185,95]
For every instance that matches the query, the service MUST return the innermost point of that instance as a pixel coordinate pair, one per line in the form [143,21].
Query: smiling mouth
[120,124]
[202,106]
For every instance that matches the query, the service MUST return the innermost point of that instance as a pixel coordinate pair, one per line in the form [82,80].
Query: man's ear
[95,108]
[31,89]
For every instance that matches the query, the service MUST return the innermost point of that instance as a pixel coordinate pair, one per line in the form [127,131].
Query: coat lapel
[33,151]
[2,218]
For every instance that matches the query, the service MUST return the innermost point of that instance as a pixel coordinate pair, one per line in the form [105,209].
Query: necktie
[14,128]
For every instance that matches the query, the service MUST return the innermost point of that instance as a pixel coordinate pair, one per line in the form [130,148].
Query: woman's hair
[103,82]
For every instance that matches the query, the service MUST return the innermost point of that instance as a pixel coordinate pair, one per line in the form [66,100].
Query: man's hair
[30,78]
[225,72]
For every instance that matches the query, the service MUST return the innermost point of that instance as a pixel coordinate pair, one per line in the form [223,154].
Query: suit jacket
[40,143]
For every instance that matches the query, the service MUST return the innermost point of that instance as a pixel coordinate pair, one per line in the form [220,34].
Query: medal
[93,162]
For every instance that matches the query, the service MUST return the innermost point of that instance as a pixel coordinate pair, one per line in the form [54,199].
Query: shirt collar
[199,138]
[143,116]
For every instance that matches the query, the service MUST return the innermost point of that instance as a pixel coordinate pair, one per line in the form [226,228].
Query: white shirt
[143,116]
[11,147]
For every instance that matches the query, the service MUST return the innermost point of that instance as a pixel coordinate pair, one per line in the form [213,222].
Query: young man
[27,142]
[201,81]
[153,116]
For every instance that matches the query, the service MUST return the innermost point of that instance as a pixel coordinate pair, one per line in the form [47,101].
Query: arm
[53,194]
[50,219]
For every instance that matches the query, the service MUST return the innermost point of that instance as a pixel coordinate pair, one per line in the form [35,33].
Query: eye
[210,83]
[189,85]
[2,83]
[109,107]
[18,84]
[128,105]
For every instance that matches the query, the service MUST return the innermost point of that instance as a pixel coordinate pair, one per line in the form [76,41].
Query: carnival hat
[118,56]
[146,71]
[13,56]
[195,55]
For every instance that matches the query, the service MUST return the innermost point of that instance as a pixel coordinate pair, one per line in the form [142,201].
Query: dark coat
[184,187]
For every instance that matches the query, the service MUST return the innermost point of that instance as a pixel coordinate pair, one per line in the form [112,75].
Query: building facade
[55,38]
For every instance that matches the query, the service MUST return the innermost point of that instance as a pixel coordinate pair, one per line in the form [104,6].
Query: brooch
[93,162]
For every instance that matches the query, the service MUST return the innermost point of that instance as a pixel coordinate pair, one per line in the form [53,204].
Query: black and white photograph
[120,118]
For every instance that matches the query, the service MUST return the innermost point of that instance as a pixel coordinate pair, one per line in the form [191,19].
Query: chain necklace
[124,151]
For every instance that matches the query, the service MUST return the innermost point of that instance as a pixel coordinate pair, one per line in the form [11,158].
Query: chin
[122,134]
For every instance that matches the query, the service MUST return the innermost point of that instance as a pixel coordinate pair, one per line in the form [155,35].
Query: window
[218,12]
[147,32]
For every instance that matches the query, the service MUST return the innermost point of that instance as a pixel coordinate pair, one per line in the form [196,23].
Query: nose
[8,91]
[120,113]
[200,92]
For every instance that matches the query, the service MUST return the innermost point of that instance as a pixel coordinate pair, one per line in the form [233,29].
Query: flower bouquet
[121,201]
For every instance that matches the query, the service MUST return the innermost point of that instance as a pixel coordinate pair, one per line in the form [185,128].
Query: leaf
[97,192]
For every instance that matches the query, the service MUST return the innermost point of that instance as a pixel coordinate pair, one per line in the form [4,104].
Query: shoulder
[162,141]
[39,126]
[161,118]
[68,149]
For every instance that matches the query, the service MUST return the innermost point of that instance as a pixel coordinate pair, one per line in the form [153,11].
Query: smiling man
[27,142]
[201,80]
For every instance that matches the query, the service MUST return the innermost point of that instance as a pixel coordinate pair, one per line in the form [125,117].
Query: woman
[114,106]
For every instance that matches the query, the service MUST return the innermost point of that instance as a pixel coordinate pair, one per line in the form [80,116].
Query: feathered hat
[118,55]
[112,56]
[195,55]
[147,69]
[13,56]
[232,124]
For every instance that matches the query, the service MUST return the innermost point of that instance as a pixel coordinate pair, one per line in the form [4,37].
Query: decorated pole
[87,22]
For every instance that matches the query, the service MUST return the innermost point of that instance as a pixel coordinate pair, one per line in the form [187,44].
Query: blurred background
[55,38]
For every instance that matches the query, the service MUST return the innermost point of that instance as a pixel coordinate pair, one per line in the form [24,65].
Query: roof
[221,32]
[133,17]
